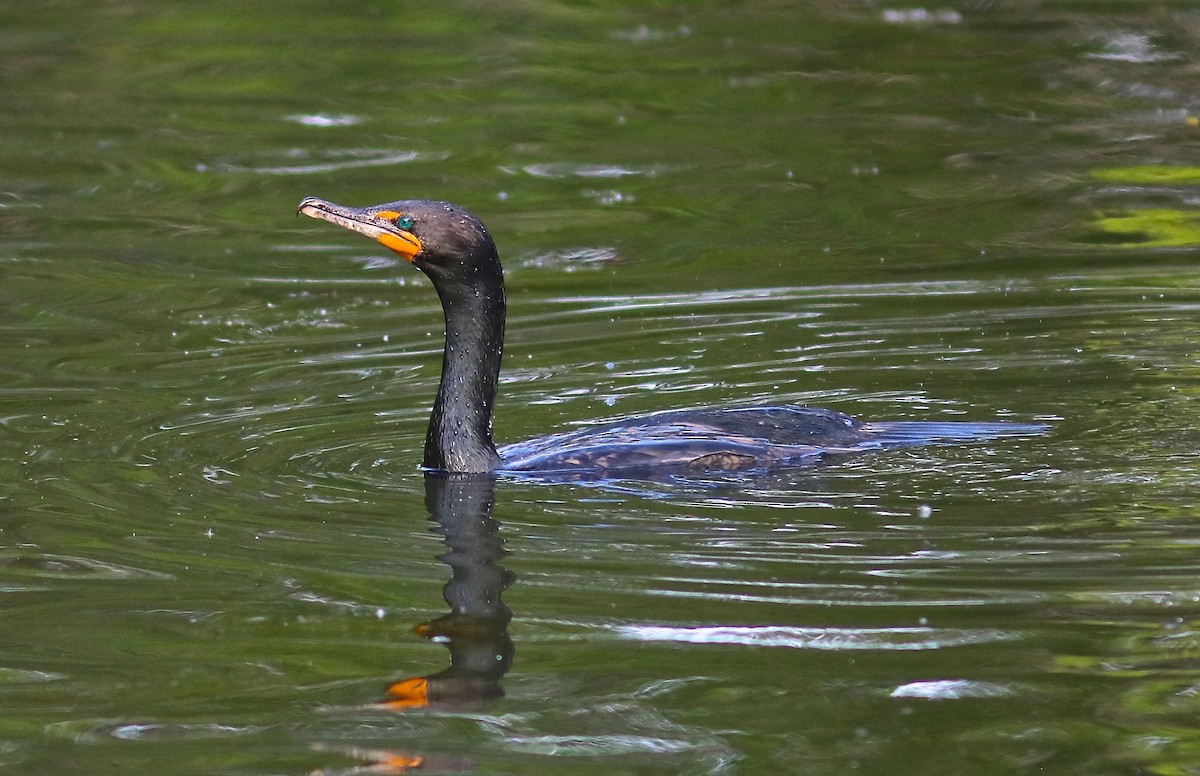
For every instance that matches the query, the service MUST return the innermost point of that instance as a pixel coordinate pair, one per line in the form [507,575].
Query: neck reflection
[475,630]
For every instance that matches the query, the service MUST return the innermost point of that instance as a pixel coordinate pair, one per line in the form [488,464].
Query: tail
[919,432]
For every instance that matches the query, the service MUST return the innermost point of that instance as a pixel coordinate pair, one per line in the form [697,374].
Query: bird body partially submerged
[729,438]
[454,249]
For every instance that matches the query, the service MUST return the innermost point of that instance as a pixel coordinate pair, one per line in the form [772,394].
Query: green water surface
[216,551]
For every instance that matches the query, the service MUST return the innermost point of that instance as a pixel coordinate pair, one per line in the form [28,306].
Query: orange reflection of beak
[381,761]
[407,694]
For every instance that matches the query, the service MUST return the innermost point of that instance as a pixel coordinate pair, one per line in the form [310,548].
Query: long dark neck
[460,429]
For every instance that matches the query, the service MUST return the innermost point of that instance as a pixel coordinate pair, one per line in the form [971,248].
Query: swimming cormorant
[454,249]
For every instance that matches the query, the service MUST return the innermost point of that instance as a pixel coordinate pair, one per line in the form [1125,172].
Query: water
[214,544]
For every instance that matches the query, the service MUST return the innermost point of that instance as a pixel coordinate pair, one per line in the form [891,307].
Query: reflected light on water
[833,639]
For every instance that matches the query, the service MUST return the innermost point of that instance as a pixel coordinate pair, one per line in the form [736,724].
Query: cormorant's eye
[404,222]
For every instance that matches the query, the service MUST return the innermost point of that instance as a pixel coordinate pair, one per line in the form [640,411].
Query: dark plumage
[454,249]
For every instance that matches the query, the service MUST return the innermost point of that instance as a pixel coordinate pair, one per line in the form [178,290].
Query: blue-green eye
[404,222]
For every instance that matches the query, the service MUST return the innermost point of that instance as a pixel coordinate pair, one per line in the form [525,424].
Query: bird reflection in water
[475,630]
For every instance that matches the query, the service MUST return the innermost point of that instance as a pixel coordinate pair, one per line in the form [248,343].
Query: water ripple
[568,170]
[323,119]
[25,676]
[302,161]
[91,731]
[951,689]
[832,639]
[46,565]
[590,746]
